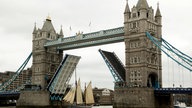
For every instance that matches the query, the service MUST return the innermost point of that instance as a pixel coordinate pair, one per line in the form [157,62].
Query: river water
[8,107]
[102,107]
[92,107]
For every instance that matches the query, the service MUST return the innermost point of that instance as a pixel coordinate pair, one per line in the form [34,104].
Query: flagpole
[90,26]
[70,30]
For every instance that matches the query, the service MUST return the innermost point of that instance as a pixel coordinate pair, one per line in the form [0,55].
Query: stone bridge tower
[44,65]
[45,60]
[143,59]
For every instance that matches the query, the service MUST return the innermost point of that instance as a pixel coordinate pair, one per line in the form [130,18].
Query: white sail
[76,91]
[79,98]
[70,96]
[89,99]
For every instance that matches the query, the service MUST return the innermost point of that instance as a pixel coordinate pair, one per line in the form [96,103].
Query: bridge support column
[139,98]
[164,101]
[134,98]
[33,99]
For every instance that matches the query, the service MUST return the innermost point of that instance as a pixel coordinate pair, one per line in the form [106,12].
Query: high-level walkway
[87,40]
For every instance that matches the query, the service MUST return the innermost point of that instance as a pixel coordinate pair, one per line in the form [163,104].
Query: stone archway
[152,80]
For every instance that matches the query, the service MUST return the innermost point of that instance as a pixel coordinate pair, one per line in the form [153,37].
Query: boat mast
[75,77]
[85,94]
[75,100]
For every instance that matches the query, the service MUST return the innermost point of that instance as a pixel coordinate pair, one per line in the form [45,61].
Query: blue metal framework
[17,73]
[176,55]
[22,86]
[113,71]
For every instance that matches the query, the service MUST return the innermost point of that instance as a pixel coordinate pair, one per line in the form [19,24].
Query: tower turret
[142,7]
[61,35]
[48,26]
[127,13]
[35,29]
[142,4]
[158,16]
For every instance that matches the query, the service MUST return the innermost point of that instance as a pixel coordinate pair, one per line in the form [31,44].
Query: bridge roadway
[158,92]
[9,95]
[167,91]
[90,39]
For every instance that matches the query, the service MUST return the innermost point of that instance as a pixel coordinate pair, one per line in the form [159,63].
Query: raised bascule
[138,84]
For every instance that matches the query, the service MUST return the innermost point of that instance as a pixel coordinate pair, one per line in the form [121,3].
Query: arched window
[48,36]
[138,14]
[152,80]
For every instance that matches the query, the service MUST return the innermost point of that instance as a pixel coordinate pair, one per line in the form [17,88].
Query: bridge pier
[33,99]
[140,98]
[164,101]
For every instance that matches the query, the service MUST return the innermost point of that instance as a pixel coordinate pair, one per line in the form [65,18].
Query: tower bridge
[138,83]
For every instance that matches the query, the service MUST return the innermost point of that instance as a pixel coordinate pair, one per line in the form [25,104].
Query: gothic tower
[44,64]
[143,59]
[45,60]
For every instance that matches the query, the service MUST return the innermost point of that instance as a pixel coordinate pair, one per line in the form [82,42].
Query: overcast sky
[17,19]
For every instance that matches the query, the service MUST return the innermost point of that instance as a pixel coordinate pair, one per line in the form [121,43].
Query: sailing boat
[75,97]
[89,99]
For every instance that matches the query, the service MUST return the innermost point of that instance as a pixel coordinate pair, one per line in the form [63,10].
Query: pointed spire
[48,18]
[158,13]
[127,10]
[61,31]
[35,29]
[142,4]
[47,26]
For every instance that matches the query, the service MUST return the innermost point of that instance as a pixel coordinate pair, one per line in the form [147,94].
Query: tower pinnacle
[142,4]
[127,10]
[35,29]
[61,31]
[48,18]
[47,26]
[158,13]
